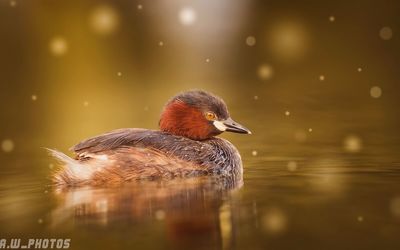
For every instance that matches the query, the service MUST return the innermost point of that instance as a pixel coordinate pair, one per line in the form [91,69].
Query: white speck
[386,33]
[58,46]
[34,97]
[287,113]
[352,144]
[86,103]
[256,97]
[160,43]
[359,69]
[187,16]
[322,78]
[13,3]
[207,60]
[140,7]
[265,71]
[40,221]
[332,18]
[360,219]
[310,130]
[119,73]
[160,214]
[375,92]
[7,145]
[292,166]
[254,153]
[251,41]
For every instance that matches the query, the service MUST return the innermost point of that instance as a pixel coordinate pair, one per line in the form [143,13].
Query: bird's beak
[230,125]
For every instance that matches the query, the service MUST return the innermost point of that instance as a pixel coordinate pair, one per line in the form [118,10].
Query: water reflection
[191,209]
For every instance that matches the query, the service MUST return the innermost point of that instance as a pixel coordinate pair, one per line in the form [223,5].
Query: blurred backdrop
[317,82]
[73,69]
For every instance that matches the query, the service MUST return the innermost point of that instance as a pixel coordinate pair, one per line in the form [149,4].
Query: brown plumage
[184,147]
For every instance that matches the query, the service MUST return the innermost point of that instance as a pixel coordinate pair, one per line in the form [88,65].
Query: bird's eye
[210,116]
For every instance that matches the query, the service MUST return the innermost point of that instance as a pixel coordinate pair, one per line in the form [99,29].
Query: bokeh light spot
[254,153]
[251,41]
[58,46]
[332,18]
[321,78]
[187,16]
[395,206]
[34,97]
[300,135]
[386,33]
[265,71]
[288,40]
[160,214]
[274,221]
[375,92]
[352,144]
[104,20]
[7,145]
[292,166]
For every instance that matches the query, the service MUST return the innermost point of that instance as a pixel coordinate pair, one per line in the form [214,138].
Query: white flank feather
[73,168]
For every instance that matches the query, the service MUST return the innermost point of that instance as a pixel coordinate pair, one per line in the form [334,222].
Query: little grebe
[185,146]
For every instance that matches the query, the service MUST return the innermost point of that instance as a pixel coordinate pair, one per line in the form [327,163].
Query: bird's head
[198,115]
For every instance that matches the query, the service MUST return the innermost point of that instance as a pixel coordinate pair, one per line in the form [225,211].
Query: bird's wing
[181,147]
[111,140]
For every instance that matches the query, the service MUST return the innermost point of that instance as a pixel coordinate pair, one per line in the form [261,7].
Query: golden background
[73,69]
[317,82]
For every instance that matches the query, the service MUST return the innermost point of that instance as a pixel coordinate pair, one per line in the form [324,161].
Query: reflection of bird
[197,208]
[184,147]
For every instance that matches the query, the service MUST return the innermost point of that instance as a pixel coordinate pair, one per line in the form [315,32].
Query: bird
[186,145]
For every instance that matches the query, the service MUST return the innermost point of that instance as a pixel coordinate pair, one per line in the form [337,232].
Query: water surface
[293,196]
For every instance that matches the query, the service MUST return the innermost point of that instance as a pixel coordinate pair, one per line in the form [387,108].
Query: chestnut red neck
[181,119]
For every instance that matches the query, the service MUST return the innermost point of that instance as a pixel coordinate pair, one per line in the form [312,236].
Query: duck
[186,145]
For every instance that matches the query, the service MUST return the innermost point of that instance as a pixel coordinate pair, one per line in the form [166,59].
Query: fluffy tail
[71,172]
